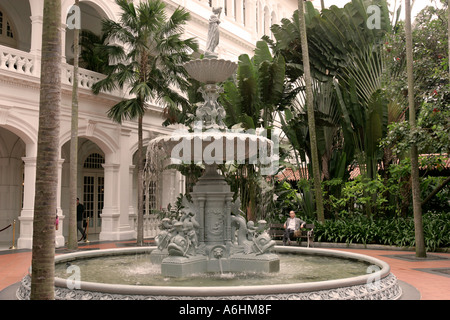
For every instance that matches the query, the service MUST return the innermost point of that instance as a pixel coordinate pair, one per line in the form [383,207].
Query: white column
[181,184]
[63,43]
[36,34]
[59,238]
[230,9]
[110,213]
[168,187]
[125,231]
[25,241]
[36,42]
[260,14]
[238,10]
[250,16]
[37,21]
[131,209]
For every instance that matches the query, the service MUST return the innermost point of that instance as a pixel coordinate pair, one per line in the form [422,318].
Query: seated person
[290,226]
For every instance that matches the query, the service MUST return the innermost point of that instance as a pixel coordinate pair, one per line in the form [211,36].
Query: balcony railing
[17,61]
[24,63]
[86,78]
[151,225]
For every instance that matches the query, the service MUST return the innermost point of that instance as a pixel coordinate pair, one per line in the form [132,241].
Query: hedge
[387,231]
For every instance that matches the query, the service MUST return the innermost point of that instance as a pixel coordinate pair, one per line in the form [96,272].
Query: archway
[15,24]
[91,21]
[12,150]
[90,182]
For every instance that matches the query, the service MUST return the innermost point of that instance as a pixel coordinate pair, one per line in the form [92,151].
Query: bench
[276,232]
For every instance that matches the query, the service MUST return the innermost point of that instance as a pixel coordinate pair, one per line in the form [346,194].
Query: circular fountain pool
[305,273]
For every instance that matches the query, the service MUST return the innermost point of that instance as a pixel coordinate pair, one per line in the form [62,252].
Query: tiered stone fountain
[210,236]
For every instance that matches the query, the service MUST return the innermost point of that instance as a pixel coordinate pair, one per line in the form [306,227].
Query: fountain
[210,236]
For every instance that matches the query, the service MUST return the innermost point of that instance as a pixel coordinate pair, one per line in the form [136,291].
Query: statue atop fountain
[213,33]
[211,235]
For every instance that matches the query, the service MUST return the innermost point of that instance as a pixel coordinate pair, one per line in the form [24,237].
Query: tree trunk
[140,186]
[417,207]
[436,191]
[310,110]
[43,254]
[73,241]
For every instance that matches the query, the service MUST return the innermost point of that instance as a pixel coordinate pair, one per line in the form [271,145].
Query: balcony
[18,64]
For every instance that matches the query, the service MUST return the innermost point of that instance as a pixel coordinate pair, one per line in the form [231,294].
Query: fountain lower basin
[379,285]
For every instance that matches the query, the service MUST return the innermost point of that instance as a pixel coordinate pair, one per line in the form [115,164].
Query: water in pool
[136,269]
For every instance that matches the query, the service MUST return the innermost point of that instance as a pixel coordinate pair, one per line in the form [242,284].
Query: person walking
[80,216]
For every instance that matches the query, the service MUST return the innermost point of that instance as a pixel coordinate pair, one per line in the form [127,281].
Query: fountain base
[185,266]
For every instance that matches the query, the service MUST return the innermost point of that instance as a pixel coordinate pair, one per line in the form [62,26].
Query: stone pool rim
[352,285]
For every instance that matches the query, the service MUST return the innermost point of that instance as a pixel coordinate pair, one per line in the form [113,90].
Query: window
[244,3]
[94,161]
[7,33]
[150,197]
[1,22]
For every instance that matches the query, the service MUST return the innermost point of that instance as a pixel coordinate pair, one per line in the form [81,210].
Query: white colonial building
[106,150]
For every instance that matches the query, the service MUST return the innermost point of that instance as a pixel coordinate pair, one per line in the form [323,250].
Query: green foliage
[430,50]
[259,89]
[432,134]
[347,65]
[287,199]
[386,231]
[94,54]
[432,88]
[387,196]
[359,196]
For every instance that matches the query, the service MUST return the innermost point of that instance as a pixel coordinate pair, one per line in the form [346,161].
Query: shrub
[387,231]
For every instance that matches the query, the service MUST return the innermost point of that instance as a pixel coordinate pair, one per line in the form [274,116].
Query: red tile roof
[288,174]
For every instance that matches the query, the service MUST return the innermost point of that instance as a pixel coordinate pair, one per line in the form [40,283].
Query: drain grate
[412,257]
[438,271]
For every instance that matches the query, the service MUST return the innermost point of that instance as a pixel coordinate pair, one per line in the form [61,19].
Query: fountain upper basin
[215,146]
[210,71]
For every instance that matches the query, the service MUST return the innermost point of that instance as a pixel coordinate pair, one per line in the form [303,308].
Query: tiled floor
[433,285]
[430,276]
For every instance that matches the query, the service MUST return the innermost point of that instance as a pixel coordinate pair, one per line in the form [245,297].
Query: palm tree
[310,110]
[149,64]
[417,206]
[43,265]
[72,241]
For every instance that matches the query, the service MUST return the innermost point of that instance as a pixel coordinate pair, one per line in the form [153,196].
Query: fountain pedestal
[217,248]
